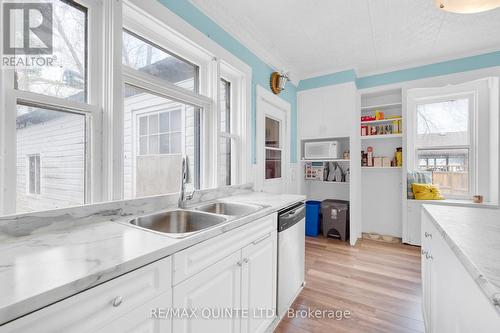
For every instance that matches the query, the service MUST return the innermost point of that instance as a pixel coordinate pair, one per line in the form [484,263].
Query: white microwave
[321,150]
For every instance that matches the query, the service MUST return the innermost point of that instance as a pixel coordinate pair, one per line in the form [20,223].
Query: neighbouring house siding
[60,142]
[154,174]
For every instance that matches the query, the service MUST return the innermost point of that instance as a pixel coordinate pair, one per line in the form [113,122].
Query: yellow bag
[426,192]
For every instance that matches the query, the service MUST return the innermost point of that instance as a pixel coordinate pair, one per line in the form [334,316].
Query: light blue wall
[327,80]
[437,69]
[261,71]
[442,68]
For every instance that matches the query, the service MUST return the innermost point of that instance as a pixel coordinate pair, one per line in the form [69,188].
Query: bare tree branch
[74,54]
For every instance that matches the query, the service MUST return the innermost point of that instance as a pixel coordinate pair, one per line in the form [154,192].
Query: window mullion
[51,102]
[153,84]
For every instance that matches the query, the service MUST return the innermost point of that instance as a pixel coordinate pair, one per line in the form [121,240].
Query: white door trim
[265,96]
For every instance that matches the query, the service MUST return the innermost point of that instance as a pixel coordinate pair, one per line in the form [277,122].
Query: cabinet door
[141,319]
[258,283]
[216,288]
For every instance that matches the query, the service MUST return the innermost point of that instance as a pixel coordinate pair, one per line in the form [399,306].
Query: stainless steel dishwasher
[291,255]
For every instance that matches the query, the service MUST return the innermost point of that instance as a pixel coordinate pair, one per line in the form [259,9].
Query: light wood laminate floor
[379,283]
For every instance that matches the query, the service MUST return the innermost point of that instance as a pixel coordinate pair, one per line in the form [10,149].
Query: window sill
[455,202]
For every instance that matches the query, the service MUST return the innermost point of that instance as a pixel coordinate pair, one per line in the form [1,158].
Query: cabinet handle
[117,301]
[257,241]
[428,256]
[428,234]
[242,261]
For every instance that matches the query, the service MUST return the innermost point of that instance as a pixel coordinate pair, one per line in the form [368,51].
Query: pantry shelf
[381,121]
[366,167]
[382,136]
[327,160]
[325,181]
[380,106]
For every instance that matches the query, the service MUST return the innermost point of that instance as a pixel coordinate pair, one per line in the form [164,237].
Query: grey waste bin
[335,218]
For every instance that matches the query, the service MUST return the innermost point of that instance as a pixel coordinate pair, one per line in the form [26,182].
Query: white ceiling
[316,37]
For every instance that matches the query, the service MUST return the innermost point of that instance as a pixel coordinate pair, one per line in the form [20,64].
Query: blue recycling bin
[313,210]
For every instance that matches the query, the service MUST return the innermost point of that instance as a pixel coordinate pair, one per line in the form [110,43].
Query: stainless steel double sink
[181,223]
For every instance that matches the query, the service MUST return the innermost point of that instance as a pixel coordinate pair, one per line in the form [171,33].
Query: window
[160,127]
[34,174]
[60,138]
[226,139]
[69,78]
[56,111]
[146,57]
[160,133]
[444,144]
[273,148]
[115,110]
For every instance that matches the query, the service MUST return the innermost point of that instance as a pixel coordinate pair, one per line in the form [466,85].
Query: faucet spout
[185,178]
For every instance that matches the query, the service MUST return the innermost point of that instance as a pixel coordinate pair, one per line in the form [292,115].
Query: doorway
[273,142]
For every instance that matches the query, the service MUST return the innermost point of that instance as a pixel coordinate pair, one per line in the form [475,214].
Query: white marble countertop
[474,236]
[44,267]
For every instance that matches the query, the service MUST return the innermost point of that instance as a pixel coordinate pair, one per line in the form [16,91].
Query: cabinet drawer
[140,319]
[200,256]
[102,304]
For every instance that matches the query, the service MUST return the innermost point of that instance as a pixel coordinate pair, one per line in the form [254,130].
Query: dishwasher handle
[291,218]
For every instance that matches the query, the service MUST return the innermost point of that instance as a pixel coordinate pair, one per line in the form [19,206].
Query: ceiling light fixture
[467,6]
[278,82]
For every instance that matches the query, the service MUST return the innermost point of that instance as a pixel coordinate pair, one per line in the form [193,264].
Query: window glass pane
[443,123]
[149,58]
[273,164]
[224,168]
[225,106]
[272,133]
[157,172]
[60,138]
[37,174]
[143,125]
[32,174]
[153,144]
[164,122]
[67,77]
[450,169]
[153,124]
[225,161]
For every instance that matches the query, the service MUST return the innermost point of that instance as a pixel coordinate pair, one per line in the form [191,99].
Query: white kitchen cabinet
[111,301]
[140,319]
[452,300]
[259,283]
[218,288]
[243,280]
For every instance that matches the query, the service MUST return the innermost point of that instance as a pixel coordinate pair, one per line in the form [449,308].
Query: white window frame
[106,77]
[92,110]
[237,126]
[280,148]
[472,97]
[147,21]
